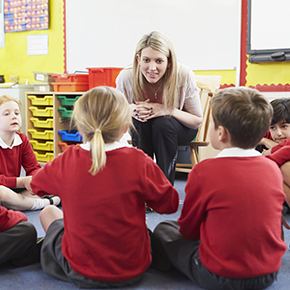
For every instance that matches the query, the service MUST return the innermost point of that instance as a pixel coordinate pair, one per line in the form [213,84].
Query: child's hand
[268,143]
[25,181]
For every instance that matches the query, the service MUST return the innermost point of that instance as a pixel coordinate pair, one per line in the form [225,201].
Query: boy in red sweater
[279,130]
[281,155]
[278,138]
[221,239]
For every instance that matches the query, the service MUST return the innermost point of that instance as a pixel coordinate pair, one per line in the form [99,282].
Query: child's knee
[28,231]
[285,168]
[48,210]
[4,193]
[50,213]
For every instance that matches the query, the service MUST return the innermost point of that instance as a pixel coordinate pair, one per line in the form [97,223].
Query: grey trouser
[17,241]
[171,249]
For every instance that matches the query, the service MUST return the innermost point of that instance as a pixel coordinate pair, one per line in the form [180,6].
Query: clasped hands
[143,111]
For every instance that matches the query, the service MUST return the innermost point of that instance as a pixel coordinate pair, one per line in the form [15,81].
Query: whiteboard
[104,33]
[269,24]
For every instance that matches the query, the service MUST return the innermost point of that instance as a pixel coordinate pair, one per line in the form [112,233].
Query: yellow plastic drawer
[44,157]
[46,146]
[47,112]
[48,123]
[41,100]
[46,134]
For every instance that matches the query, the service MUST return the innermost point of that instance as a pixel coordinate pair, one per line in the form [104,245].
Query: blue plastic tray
[71,135]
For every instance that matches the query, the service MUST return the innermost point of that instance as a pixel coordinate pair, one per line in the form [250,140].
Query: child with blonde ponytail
[100,240]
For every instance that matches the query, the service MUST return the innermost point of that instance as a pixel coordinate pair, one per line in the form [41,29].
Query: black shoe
[53,200]
[32,257]
[148,209]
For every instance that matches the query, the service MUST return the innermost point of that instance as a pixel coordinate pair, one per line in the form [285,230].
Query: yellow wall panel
[14,58]
[268,73]
[228,76]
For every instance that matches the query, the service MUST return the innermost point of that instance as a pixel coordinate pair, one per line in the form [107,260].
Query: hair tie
[98,130]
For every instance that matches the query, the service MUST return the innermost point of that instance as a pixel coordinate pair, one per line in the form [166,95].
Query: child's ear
[223,134]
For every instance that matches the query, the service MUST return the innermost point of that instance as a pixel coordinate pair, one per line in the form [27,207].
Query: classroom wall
[267,77]
[108,37]
[15,61]
[14,58]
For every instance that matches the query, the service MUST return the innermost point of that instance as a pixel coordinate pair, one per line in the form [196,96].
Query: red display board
[23,15]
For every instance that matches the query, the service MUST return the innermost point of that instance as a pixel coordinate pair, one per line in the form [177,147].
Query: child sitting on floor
[278,137]
[16,151]
[281,155]
[279,130]
[223,239]
[101,239]
[18,239]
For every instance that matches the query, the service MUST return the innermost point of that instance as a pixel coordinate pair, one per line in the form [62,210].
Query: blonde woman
[163,98]
[101,239]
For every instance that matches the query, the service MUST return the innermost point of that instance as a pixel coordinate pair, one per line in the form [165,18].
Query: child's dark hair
[281,108]
[244,112]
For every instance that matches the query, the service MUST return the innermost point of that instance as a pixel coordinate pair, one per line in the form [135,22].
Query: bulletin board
[268,35]
[22,15]
[15,50]
[264,76]
[100,33]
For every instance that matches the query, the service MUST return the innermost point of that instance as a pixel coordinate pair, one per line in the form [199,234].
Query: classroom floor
[32,277]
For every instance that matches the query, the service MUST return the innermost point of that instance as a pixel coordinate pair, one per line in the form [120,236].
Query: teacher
[164,101]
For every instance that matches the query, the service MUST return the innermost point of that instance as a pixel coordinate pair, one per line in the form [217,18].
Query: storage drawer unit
[41,101]
[46,123]
[47,114]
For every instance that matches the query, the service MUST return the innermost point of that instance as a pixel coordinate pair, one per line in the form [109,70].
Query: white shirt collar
[238,152]
[108,146]
[17,141]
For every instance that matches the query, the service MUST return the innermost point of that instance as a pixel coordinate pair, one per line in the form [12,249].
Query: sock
[39,203]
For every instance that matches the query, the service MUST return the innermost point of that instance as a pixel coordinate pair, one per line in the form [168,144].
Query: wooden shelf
[59,123]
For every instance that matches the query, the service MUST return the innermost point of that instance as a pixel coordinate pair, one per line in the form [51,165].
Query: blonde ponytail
[98,153]
[100,115]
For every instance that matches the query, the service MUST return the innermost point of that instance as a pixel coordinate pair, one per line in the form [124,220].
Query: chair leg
[194,155]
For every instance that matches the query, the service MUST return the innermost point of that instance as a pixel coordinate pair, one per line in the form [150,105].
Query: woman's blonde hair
[158,41]
[101,115]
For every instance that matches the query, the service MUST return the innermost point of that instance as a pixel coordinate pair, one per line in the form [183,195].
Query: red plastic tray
[103,76]
[70,87]
[71,78]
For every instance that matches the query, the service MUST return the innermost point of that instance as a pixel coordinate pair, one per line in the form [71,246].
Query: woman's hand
[159,110]
[142,111]
[145,110]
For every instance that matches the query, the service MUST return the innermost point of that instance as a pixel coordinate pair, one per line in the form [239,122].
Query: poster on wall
[25,15]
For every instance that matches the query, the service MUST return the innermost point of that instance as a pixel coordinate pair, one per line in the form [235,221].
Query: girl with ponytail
[100,239]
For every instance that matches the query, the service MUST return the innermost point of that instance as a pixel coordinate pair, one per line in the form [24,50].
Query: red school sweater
[9,218]
[11,161]
[280,153]
[105,235]
[233,205]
